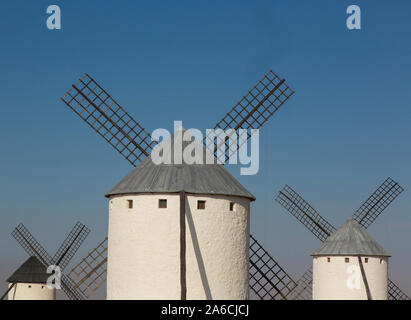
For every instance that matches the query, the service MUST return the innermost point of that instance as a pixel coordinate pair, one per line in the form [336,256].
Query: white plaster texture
[31,291]
[330,278]
[144,247]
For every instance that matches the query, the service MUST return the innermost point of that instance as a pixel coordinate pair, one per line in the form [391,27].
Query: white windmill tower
[29,282]
[145,231]
[268,280]
[350,265]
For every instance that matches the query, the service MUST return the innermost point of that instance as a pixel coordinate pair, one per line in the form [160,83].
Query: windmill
[368,212]
[350,250]
[62,257]
[29,282]
[104,115]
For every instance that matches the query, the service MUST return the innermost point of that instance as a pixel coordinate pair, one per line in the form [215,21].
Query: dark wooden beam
[183,282]
[8,290]
[364,278]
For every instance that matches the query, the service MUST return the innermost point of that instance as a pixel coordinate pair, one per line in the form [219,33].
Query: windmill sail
[70,245]
[304,213]
[395,293]
[267,279]
[31,245]
[91,272]
[304,288]
[377,202]
[251,112]
[101,112]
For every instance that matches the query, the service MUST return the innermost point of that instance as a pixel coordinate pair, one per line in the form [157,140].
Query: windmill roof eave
[177,192]
[189,178]
[349,255]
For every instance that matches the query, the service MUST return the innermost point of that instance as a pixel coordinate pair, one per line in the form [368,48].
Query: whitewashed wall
[144,248]
[330,278]
[31,291]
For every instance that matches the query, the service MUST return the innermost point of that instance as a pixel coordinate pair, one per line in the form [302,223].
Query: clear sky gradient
[345,130]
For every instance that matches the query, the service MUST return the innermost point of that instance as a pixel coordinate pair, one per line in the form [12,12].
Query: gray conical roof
[31,271]
[350,240]
[149,177]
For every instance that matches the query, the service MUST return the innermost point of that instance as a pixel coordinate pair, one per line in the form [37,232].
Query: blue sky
[345,130]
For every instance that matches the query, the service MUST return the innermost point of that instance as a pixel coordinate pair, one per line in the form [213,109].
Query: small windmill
[105,116]
[29,282]
[62,257]
[369,211]
[350,249]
